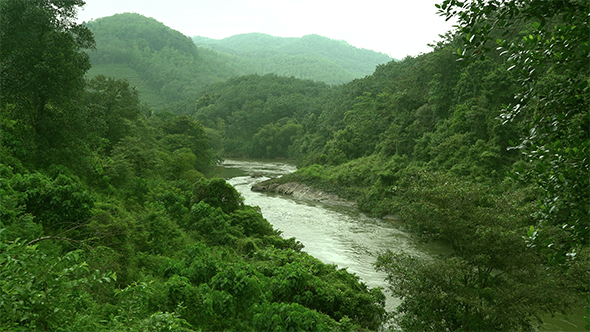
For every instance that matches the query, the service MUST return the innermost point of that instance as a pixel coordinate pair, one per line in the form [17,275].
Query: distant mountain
[170,69]
[163,63]
[309,57]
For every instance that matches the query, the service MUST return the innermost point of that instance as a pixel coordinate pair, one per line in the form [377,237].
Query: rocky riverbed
[300,190]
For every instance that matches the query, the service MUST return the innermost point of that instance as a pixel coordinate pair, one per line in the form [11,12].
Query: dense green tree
[42,53]
[114,106]
[43,292]
[218,194]
[135,157]
[549,54]
[453,294]
[274,140]
[43,65]
[546,45]
[59,204]
[184,132]
[491,281]
[268,106]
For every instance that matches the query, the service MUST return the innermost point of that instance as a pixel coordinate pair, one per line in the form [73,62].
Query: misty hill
[164,64]
[309,57]
[170,69]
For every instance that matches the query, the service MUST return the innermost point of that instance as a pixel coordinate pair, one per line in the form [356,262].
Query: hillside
[107,221]
[163,63]
[260,116]
[169,69]
[309,57]
[487,155]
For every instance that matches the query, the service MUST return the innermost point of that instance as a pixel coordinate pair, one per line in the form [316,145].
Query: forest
[170,69]
[310,57]
[109,219]
[165,64]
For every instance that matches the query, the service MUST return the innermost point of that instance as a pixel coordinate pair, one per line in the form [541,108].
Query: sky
[395,27]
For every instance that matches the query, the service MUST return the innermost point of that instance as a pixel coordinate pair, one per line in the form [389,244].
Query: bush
[57,204]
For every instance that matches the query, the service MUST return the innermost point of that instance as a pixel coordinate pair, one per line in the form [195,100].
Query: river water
[336,234]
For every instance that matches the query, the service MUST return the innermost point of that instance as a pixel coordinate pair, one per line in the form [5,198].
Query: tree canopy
[43,61]
[164,62]
[549,55]
[107,221]
[309,57]
[260,116]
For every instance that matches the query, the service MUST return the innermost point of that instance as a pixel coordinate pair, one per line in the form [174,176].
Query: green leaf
[531,231]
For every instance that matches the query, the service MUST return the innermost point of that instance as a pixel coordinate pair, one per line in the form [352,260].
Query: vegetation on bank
[104,202]
[260,116]
[107,221]
[482,143]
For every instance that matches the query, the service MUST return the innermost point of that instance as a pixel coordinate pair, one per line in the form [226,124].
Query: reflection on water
[339,235]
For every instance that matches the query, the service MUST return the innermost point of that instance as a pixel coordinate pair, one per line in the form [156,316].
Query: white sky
[394,27]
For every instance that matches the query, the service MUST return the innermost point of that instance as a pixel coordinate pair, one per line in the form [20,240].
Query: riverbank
[300,190]
[331,231]
[420,195]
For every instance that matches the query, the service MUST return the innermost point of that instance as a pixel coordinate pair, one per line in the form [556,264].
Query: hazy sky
[395,27]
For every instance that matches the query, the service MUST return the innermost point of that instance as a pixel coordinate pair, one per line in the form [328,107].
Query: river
[336,234]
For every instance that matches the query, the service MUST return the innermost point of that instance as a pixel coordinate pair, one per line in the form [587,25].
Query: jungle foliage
[481,144]
[260,116]
[107,221]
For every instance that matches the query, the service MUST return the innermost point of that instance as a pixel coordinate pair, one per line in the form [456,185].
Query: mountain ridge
[268,54]
[146,52]
[171,68]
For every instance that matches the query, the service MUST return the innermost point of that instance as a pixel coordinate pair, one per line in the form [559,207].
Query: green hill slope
[164,64]
[309,57]
[170,69]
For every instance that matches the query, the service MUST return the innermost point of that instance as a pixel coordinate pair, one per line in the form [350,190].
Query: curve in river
[336,234]
[333,234]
